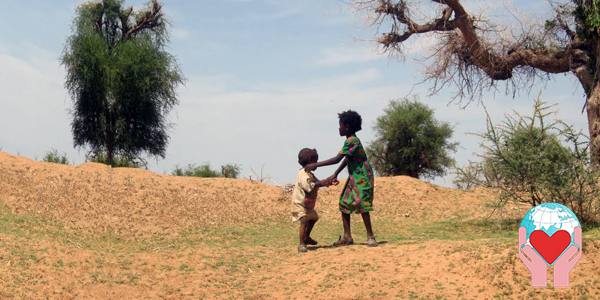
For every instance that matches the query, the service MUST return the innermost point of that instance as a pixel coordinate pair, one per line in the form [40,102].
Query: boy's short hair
[305,155]
[351,119]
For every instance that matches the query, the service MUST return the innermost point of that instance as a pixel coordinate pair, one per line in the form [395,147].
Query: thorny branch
[465,58]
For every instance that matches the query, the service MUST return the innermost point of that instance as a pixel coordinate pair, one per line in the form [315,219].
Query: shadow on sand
[313,248]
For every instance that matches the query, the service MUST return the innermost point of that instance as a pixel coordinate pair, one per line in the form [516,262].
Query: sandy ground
[91,231]
[136,203]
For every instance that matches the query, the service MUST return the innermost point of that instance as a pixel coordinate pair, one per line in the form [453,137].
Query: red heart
[550,247]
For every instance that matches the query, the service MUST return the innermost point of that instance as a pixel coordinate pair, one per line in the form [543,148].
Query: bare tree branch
[150,19]
[469,49]
[125,19]
[564,26]
[500,67]
[400,13]
[475,57]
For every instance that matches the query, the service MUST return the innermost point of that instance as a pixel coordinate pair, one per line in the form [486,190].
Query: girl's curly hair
[351,119]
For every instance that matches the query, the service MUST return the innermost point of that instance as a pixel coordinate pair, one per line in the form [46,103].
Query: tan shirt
[304,189]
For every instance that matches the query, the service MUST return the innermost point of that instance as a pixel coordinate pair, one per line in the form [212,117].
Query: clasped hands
[331,180]
[537,265]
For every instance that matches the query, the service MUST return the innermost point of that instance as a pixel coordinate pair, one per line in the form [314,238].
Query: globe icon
[550,218]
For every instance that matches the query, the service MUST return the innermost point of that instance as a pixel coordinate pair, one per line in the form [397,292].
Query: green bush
[228,171]
[533,160]
[410,141]
[476,174]
[54,157]
[469,176]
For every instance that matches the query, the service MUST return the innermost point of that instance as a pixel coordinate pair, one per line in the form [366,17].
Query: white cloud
[219,123]
[349,54]
[34,115]
[180,33]
[422,45]
[270,123]
[213,123]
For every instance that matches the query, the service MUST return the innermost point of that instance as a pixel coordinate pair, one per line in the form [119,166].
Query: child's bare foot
[302,248]
[310,241]
[371,242]
[343,242]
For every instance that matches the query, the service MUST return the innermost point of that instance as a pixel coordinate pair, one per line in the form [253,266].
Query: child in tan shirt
[304,197]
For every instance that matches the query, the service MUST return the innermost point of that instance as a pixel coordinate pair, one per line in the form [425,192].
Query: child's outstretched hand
[332,180]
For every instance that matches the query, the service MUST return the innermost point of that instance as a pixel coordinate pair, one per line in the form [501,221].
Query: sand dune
[91,231]
[137,203]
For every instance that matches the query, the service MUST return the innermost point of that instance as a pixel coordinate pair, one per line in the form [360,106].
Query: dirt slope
[138,203]
[91,231]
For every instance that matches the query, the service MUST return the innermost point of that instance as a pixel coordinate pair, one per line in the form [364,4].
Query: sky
[264,78]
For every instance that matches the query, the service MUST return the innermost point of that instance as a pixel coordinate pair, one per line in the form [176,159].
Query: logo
[550,236]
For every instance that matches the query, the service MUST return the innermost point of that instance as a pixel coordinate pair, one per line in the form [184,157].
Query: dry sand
[91,231]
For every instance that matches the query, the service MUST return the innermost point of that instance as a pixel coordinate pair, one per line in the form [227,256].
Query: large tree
[121,79]
[472,56]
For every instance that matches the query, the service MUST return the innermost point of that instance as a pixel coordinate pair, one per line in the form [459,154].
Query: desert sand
[91,231]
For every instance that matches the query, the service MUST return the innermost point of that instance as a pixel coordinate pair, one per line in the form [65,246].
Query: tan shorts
[305,216]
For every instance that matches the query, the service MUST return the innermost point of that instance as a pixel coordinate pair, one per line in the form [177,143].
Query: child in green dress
[357,195]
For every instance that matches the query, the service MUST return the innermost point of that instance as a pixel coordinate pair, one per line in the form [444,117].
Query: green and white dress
[357,195]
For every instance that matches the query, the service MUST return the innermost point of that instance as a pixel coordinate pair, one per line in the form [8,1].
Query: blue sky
[264,79]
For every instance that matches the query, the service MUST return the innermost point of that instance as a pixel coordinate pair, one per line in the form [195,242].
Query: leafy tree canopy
[121,79]
[410,141]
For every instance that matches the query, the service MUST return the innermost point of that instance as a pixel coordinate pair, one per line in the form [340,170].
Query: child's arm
[322,183]
[332,161]
[310,184]
[340,168]
[333,178]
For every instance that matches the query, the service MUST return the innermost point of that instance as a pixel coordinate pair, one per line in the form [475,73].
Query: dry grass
[132,203]
[135,203]
[94,232]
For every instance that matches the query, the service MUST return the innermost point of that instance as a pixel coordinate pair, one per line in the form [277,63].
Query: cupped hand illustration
[565,263]
[534,262]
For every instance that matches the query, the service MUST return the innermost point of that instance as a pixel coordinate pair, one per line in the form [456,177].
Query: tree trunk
[593,115]
[110,155]
[110,137]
